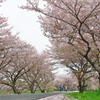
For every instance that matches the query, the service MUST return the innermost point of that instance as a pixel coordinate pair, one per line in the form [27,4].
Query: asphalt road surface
[29,96]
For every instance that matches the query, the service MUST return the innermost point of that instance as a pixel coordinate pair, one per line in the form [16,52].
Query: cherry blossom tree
[5,39]
[40,77]
[2,1]
[22,61]
[70,20]
[46,74]
[92,82]
[31,78]
[66,55]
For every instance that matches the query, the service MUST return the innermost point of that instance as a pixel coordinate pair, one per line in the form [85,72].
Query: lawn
[88,95]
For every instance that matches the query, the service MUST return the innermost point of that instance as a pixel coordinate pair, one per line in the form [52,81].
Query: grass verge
[28,92]
[88,95]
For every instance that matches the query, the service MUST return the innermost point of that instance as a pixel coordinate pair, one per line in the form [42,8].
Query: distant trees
[21,63]
[41,76]
[70,22]
[76,63]
[22,68]
[26,67]
[67,81]
[46,75]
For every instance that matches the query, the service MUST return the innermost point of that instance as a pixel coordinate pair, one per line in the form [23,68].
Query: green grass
[27,92]
[88,95]
[38,92]
[45,92]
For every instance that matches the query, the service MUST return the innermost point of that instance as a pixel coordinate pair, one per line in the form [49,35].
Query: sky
[25,23]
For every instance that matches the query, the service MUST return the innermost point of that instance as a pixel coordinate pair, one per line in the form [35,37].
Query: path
[29,96]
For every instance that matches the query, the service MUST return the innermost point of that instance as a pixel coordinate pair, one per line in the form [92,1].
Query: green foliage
[88,95]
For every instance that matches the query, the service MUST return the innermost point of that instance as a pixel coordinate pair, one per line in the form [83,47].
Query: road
[29,96]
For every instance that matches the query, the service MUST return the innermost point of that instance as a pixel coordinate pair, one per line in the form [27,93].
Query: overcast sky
[25,22]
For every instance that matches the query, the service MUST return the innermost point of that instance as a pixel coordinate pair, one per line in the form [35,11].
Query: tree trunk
[99,80]
[81,87]
[42,91]
[15,90]
[32,90]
